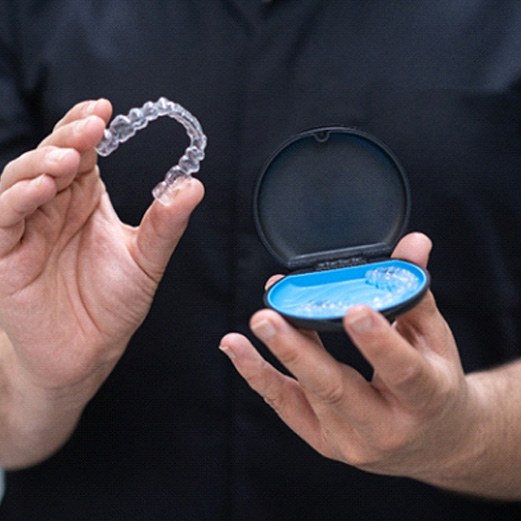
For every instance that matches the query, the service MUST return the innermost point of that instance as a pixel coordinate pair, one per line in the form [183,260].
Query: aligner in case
[328,295]
[122,128]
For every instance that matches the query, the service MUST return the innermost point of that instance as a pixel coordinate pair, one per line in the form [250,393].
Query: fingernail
[263,329]
[167,193]
[89,108]
[360,320]
[38,180]
[57,155]
[227,351]
[83,124]
[93,105]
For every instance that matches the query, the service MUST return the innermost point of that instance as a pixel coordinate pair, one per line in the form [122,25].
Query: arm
[75,282]
[420,416]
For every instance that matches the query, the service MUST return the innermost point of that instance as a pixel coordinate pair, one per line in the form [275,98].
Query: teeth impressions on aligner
[391,283]
[122,128]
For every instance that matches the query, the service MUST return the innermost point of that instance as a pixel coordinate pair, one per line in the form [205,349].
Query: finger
[331,383]
[20,199]
[19,202]
[54,161]
[414,247]
[163,225]
[281,392]
[406,373]
[272,280]
[425,327]
[24,198]
[100,107]
[82,134]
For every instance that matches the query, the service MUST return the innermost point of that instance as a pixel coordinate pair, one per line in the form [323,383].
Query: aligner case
[330,205]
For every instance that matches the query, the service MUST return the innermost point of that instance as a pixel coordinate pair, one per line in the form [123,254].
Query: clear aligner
[122,128]
[393,279]
[324,307]
[392,284]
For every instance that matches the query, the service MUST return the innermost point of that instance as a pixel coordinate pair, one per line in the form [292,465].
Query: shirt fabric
[175,433]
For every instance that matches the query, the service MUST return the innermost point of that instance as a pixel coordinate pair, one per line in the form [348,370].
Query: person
[117,403]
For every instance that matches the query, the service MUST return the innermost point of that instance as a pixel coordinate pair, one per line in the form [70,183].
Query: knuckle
[429,394]
[331,393]
[441,398]
[260,381]
[274,398]
[326,448]
[289,356]
[256,378]
[407,378]
[274,401]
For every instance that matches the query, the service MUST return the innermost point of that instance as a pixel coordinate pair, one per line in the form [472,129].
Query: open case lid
[331,194]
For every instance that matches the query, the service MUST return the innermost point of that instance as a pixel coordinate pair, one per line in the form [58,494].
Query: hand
[75,282]
[411,418]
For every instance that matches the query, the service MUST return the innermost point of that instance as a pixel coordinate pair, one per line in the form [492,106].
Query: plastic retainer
[122,128]
[395,280]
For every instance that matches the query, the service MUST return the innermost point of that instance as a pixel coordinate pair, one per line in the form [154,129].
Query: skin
[75,282]
[419,416]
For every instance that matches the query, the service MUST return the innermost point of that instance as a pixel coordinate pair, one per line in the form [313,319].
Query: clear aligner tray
[124,127]
[328,295]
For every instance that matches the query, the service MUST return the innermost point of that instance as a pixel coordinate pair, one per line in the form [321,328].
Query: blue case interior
[327,295]
[330,205]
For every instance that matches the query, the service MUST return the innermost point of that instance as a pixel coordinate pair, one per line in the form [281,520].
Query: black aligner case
[330,205]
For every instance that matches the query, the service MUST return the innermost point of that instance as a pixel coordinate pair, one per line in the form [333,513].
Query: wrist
[481,462]
[35,421]
[39,410]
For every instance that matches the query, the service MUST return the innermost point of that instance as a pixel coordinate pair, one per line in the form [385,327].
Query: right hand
[76,282]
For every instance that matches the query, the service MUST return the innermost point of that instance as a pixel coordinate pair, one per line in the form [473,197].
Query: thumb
[414,247]
[163,225]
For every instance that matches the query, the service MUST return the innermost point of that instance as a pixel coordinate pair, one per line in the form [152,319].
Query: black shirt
[174,433]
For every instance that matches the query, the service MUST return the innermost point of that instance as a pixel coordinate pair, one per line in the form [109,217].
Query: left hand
[411,419]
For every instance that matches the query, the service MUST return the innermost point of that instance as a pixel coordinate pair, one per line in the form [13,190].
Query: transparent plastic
[380,288]
[122,128]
